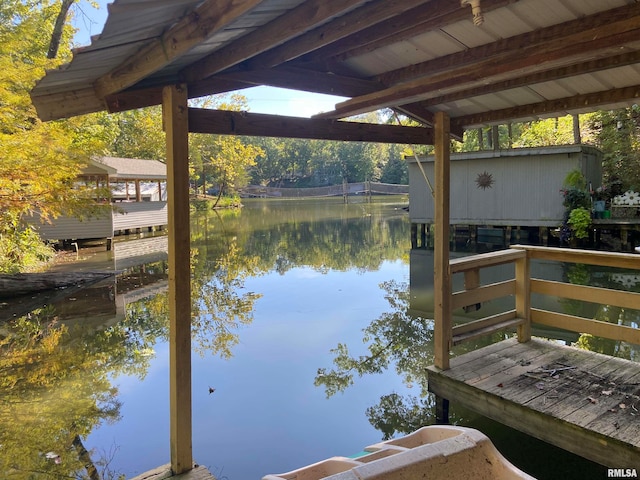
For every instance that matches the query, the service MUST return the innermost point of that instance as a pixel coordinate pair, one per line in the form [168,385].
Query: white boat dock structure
[138,196]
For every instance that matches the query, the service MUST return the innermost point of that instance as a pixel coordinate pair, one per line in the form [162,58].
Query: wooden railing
[522,286]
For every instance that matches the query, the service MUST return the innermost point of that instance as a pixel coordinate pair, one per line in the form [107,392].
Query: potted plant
[580,221]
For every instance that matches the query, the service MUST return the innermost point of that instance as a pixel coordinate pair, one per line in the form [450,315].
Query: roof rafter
[285,27]
[150,96]
[575,103]
[545,40]
[188,32]
[426,55]
[546,49]
[418,20]
[370,14]
[283,77]
[306,80]
[600,64]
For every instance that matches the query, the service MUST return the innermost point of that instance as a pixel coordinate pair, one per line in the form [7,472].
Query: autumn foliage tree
[38,161]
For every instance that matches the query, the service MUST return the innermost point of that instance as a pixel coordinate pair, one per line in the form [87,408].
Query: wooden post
[442,275]
[175,117]
[523,298]
[442,411]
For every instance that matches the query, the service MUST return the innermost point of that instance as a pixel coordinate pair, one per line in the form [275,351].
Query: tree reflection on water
[59,363]
[57,366]
[399,339]
[55,388]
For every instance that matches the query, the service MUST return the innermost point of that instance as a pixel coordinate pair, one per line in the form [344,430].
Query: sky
[89,21]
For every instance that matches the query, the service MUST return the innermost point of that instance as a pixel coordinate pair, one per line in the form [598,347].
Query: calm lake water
[289,298]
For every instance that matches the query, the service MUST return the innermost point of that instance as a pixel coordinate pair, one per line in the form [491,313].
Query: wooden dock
[581,401]
[164,472]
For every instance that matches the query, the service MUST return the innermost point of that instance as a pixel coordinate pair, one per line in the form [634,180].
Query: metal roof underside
[528,59]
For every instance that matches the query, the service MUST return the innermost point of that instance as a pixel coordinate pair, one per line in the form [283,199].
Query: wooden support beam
[523,297]
[296,78]
[224,122]
[175,116]
[477,89]
[53,106]
[284,28]
[209,17]
[152,95]
[442,275]
[292,78]
[589,101]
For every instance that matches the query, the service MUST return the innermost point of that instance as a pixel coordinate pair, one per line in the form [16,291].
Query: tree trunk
[85,458]
[222,186]
[56,36]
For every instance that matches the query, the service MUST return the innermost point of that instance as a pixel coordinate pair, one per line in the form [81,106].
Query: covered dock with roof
[448,65]
[138,196]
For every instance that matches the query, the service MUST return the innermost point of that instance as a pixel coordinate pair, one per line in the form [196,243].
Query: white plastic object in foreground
[433,452]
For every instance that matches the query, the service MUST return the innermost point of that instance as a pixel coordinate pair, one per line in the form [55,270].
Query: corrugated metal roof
[536,57]
[131,168]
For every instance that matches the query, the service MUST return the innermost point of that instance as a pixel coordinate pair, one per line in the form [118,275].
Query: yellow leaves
[37,167]
[51,341]
[233,158]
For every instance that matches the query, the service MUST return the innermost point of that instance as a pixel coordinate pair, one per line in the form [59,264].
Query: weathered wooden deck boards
[581,401]
[164,472]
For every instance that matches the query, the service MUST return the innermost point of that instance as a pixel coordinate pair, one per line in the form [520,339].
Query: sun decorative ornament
[484,180]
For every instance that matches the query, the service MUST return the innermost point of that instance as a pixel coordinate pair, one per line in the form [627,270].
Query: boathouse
[447,65]
[138,201]
[514,187]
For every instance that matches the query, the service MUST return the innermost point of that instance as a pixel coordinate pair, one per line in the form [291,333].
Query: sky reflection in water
[303,276]
[266,416]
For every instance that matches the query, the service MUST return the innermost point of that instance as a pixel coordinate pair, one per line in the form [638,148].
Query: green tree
[395,168]
[551,131]
[270,164]
[222,161]
[617,134]
[137,134]
[230,161]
